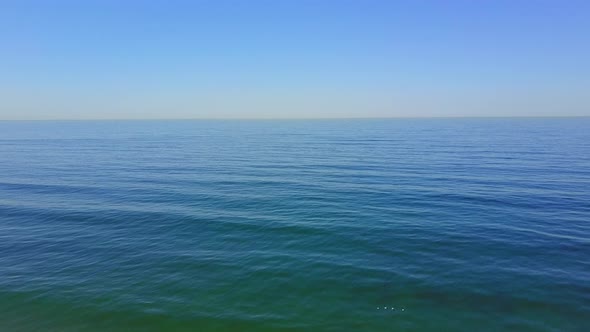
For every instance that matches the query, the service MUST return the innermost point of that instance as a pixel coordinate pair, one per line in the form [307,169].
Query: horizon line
[307,118]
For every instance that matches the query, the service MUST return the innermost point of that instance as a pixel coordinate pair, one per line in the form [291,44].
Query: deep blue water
[458,224]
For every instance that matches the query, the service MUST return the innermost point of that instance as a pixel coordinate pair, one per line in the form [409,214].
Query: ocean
[295,225]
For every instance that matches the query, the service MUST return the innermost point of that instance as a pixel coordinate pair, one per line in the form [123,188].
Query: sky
[103,59]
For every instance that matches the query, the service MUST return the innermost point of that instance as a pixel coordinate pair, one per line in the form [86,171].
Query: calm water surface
[457,224]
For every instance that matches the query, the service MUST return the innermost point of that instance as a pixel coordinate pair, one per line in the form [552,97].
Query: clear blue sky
[293,59]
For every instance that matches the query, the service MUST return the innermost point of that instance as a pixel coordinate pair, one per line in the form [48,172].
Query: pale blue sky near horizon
[293,59]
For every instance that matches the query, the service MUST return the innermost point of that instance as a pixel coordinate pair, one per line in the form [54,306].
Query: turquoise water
[457,224]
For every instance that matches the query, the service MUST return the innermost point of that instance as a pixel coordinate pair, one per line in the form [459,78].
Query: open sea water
[324,225]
